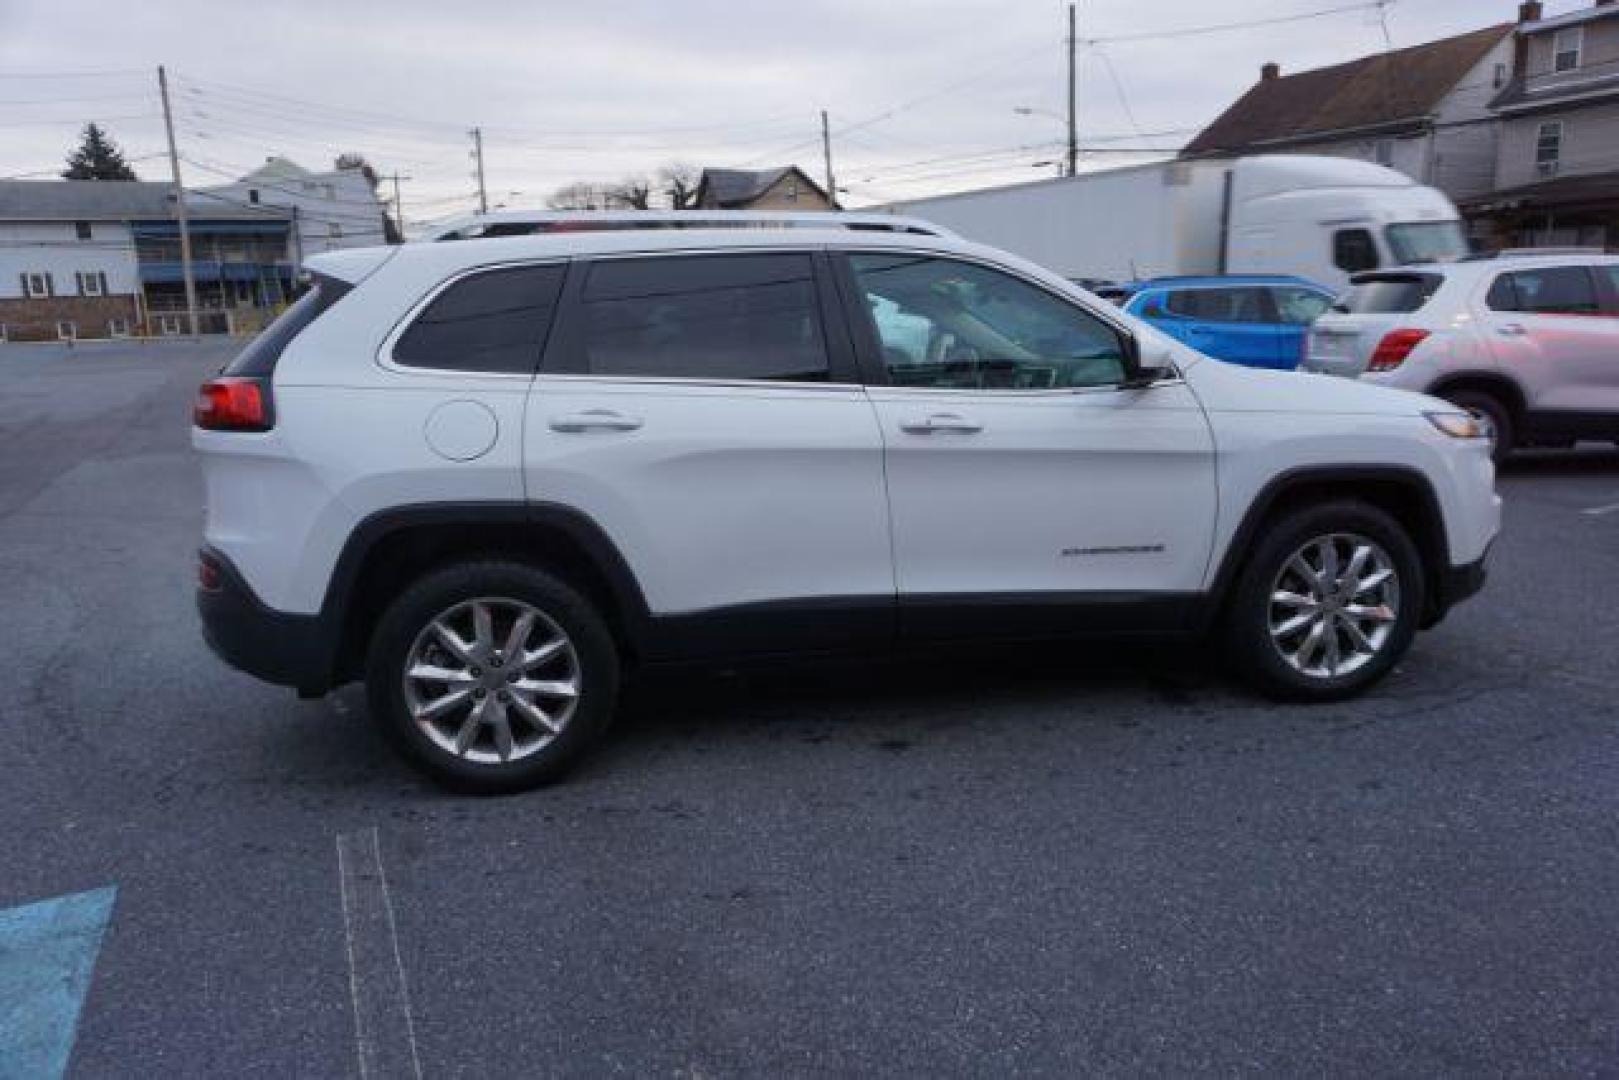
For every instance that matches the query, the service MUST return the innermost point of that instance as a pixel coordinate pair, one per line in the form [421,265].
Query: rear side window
[261,355]
[705,317]
[1298,306]
[1354,250]
[493,321]
[1389,294]
[1231,305]
[1552,290]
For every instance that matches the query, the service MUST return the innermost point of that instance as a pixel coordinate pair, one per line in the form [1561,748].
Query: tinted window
[491,321]
[1298,306]
[1229,305]
[1554,290]
[261,354]
[705,317]
[1389,294]
[1354,250]
[944,323]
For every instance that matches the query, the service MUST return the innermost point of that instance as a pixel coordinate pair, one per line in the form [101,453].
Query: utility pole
[399,205]
[826,152]
[1073,119]
[179,204]
[477,155]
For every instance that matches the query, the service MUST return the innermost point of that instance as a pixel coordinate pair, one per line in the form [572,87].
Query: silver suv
[1528,343]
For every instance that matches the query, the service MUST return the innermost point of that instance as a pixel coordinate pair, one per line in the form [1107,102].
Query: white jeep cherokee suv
[488,476]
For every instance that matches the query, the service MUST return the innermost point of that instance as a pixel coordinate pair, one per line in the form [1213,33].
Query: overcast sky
[921,93]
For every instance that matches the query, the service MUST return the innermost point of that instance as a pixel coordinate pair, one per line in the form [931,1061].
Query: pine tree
[97,158]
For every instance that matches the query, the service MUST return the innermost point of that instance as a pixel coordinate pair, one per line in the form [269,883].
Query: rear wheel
[1328,603]
[1492,414]
[492,676]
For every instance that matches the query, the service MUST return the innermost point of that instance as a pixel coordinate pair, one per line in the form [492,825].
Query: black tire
[1492,407]
[409,616]
[1246,629]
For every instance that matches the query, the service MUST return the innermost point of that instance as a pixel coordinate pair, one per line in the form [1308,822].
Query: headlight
[1457,425]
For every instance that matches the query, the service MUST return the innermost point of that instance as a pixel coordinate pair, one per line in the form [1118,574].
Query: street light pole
[1073,120]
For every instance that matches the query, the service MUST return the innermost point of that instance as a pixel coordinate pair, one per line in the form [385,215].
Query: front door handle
[595,420]
[1511,329]
[940,422]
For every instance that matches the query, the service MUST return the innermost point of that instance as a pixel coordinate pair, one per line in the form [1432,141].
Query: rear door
[1550,327]
[704,410]
[1235,323]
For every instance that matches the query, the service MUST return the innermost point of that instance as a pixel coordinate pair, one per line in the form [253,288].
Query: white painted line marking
[1598,511]
[384,1033]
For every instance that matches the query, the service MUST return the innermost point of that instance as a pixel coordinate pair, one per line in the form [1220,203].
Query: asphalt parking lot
[1060,863]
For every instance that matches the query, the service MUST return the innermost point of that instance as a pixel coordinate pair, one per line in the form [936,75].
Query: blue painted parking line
[47,954]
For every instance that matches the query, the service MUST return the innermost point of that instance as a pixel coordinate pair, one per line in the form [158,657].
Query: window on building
[1566,48]
[729,317]
[1354,250]
[329,191]
[792,191]
[92,283]
[168,324]
[495,321]
[81,230]
[117,327]
[334,230]
[1548,146]
[67,331]
[1500,79]
[1384,152]
[37,286]
[1552,290]
[253,195]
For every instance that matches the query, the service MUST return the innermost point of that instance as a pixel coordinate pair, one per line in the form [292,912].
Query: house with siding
[1424,110]
[1557,165]
[785,188]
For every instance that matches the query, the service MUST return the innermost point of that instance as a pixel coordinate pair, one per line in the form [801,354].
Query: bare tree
[580,195]
[678,182]
[630,193]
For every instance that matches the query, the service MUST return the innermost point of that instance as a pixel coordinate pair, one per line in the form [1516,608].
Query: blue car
[1257,320]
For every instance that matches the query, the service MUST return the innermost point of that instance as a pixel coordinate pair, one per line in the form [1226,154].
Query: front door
[1022,480]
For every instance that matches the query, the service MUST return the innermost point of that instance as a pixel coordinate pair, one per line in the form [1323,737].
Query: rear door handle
[595,420]
[940,422]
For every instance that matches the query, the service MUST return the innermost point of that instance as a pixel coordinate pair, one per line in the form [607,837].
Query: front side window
[494,321]
[1426,241]
[1566,49]
[1244,304]
[716,317]
[1354,250]
[1298,306]
[1552,290]
[1548,145]
[943,323]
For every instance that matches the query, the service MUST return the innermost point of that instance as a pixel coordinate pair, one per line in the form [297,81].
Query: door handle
[595,420]
[1511,329]
[940,422]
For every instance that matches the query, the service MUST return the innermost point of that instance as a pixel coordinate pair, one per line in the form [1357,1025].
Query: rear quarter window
[264,352]
[1389,294]
[492,321]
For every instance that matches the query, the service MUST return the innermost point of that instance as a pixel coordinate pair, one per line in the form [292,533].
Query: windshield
[1426,241]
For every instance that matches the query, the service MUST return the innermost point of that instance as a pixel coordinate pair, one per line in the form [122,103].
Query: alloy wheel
[1334,605]
[492,680]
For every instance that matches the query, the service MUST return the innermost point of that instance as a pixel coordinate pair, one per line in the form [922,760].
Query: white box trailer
[1319,218]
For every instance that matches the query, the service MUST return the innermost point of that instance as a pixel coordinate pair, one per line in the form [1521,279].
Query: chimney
[1529,11]
[1270,71]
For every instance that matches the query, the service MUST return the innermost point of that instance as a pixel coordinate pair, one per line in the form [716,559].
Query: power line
[1246,24]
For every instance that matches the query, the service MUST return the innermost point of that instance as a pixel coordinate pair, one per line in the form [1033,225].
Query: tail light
[234,403]
[1394,348]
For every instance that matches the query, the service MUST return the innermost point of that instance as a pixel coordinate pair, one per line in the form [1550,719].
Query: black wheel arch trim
[1436,555]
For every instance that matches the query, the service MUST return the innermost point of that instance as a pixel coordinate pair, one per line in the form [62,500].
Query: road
[1061,863]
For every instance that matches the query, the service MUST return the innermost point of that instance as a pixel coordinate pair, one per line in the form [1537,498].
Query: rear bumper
[280,648]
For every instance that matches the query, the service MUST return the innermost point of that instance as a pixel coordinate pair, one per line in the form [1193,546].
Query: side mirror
[1154,361]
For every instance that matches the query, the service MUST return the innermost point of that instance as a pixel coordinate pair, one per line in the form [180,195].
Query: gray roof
[731,187]
[82,200]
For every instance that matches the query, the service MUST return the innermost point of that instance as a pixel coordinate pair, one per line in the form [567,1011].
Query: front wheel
[492,676]
[1328,603]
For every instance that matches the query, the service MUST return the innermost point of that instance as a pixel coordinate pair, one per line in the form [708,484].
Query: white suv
[1528,343]
[489,476]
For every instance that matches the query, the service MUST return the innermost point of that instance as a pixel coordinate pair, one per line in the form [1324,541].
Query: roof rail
[529,222]
[1567,250]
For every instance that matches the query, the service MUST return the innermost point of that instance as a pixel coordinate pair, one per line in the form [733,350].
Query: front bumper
[280,648]
[1455,584]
